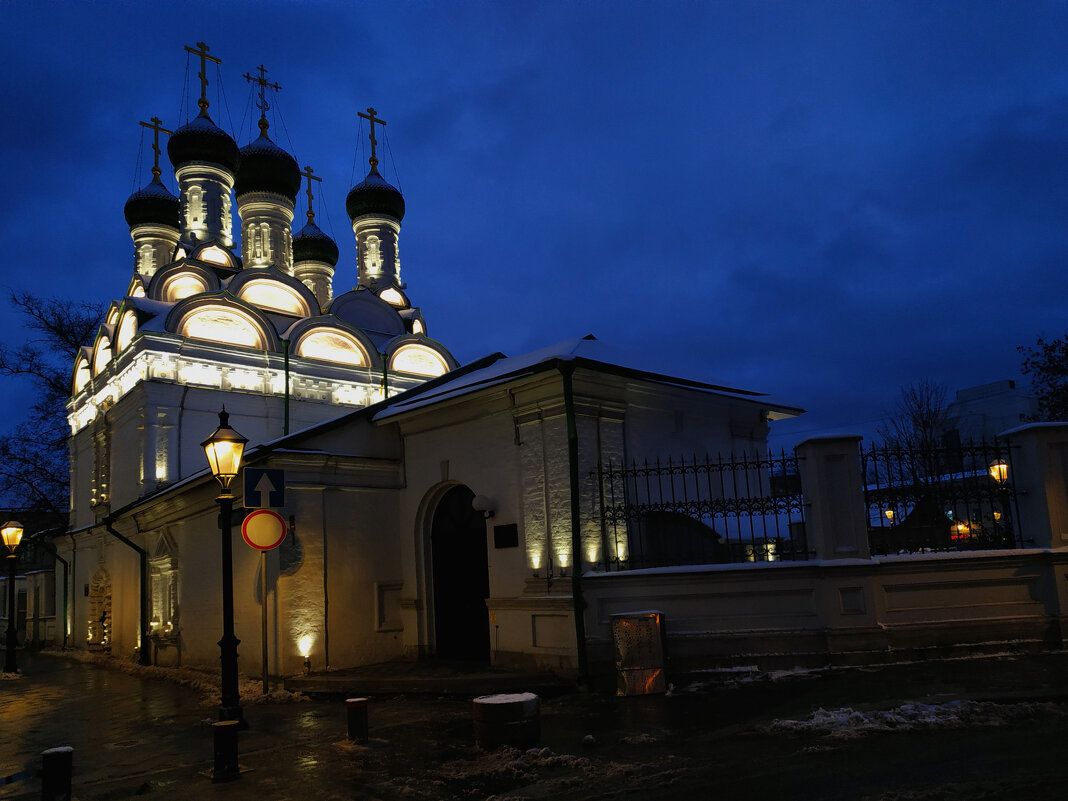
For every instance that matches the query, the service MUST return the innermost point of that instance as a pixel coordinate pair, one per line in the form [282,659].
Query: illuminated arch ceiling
[332,345]
[127,330]
[81,373]
[418,360]
[183,285]
[226,324]
[273,295]
[101,354]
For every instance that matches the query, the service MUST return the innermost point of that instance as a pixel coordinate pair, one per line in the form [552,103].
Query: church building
[432,509]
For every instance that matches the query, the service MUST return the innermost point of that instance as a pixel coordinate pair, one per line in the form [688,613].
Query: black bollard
[226,768]
[357,711]
[57,766]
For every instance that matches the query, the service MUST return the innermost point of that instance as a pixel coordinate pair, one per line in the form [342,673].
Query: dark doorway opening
[461,578]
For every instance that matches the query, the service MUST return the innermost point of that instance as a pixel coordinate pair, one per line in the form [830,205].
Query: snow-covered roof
[586,352]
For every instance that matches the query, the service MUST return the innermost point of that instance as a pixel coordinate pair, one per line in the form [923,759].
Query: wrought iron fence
[702,511]
[956,498]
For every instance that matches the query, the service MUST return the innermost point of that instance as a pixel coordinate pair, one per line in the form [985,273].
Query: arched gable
[126,329]
[220,317]
[182,280]
[417,355]
[102,351]
[272,290]
[324,339]
[214,253]
[363,309]
[82,370]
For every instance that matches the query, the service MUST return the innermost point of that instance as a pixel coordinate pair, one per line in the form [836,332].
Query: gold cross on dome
[308,174]
[157,128]
[370,115]
[264,84]
[204,59]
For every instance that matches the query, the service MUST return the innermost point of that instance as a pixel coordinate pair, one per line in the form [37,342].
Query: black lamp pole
[230,708]
[10,665]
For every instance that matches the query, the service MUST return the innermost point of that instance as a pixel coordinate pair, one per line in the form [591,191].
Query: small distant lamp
[889,513]
[999,471]
[12,535]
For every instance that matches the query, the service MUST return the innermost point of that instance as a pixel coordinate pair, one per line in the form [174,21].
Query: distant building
[984,411]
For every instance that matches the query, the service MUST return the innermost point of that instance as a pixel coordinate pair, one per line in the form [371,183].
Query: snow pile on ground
[10,676]
[846,723]
[205,682]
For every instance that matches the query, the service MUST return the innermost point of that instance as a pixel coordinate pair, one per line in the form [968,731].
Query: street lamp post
[224,449]
[12,535]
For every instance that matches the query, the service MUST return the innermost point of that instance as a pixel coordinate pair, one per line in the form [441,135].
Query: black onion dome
[311,244]
[152,204]
[202,140]
[265,167]
[374,196]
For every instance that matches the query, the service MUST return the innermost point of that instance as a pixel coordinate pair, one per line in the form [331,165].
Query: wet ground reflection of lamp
[224,449]
[12,534]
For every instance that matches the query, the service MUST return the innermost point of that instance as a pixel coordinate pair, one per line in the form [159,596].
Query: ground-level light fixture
[12,535]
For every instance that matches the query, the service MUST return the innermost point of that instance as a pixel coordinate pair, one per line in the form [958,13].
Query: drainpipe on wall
[143,656]
[73,575]
[285,364]
[567,370]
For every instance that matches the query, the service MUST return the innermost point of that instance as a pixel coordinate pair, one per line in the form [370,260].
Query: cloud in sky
[823,201]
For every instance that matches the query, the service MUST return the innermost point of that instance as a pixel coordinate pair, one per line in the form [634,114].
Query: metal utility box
[638,638]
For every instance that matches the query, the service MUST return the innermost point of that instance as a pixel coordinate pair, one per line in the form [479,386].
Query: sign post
[264,530]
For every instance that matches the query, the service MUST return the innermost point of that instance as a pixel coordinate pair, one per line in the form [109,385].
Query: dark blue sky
[823,201]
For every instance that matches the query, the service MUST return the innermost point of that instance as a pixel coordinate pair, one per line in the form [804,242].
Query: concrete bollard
[357,715]
[226,768]
[56,770]
[506,720]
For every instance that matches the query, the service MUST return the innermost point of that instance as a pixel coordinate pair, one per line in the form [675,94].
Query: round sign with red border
[264,529]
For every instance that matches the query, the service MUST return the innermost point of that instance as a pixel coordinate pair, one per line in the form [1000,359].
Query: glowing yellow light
[997,516]
[215,255]
[183,285]
[621,552]
[205,374]
[562,558]
[81,376]
[127,329]
[270,294]
[418,360]
[592,553]
[393,297]
[224,449]
[889,515]
[962,527]
[218,324]
[244,379]
[304,645]
[11,532]
[999,471]
[535,560]
[332,346]
[102,355]
[418,327]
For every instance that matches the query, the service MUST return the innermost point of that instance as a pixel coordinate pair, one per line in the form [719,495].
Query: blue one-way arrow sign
[264,487]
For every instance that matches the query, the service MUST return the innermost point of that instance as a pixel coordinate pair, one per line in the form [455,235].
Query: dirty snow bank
[846,723]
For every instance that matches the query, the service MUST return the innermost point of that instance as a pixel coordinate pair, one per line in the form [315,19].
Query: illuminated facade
[430,505]
[208,321]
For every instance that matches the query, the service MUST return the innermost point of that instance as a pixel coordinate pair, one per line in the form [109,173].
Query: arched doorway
[461,578]
[100,611]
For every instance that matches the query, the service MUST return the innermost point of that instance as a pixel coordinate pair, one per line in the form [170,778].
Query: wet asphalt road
[136,737]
